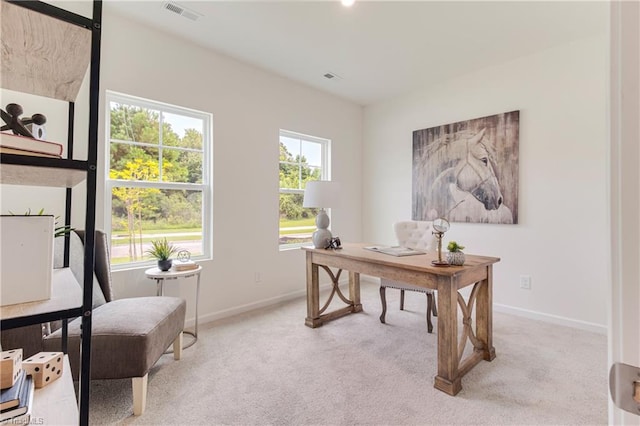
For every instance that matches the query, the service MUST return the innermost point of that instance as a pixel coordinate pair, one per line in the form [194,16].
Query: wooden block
[45,367]
[10,367]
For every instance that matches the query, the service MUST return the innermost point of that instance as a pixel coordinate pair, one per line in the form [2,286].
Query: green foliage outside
[295,220]
[135,155]
[294,174]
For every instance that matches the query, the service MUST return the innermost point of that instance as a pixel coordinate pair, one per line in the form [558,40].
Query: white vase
[455,258]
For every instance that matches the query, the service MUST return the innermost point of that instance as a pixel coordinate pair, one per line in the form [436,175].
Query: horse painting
[467,171]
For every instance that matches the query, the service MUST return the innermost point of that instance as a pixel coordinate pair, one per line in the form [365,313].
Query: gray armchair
[416,235]
[128,335]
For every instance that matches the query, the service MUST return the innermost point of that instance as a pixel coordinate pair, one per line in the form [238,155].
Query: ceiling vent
[182,11]
[332,76]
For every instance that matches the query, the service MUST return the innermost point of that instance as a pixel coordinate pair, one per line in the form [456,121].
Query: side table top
[155,273]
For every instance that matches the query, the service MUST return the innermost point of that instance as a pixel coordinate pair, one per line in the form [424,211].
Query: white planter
[26,258]
[455,258]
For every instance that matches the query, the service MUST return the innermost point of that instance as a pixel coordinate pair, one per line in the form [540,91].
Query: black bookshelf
[67,173]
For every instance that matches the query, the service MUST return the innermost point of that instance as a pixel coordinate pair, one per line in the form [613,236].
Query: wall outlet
[258,277]
[525,282]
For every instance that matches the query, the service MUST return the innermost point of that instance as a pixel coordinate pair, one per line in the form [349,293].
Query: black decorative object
[334,243]
[19,125]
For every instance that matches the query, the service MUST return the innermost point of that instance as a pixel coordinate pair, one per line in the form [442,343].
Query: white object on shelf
[66,294]
[26,258]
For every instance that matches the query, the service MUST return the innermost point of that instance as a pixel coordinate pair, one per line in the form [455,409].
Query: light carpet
[266,367]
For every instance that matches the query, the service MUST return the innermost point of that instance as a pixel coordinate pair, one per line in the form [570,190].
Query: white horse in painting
[464,186]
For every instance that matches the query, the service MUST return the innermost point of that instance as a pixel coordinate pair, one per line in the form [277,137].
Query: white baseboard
[554,319]
[251,306]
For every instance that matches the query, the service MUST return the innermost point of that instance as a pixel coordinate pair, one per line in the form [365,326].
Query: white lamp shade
[321,193]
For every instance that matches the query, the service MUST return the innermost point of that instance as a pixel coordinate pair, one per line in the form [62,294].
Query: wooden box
[10,367]
[26,258]
[45,367]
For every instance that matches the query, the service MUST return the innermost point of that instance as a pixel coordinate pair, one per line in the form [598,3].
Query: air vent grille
[174,8]
[332,76]
[182,11]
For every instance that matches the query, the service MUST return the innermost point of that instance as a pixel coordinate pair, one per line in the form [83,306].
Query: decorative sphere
[184,255]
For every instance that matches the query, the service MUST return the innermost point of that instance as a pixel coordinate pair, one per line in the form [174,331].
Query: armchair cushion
[128,336]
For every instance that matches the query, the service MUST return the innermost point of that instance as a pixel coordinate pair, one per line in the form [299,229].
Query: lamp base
[321,238]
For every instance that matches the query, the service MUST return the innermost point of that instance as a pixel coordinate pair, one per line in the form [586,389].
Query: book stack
[16,401]
[21,145]
[185,266]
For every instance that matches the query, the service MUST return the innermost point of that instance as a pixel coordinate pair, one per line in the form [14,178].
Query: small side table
[161,276]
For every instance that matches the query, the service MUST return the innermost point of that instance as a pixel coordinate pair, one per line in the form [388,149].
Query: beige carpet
[267,368]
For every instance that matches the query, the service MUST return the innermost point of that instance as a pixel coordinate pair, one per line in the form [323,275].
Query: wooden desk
[417,270]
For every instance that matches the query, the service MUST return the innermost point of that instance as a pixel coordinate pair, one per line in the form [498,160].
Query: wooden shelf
[41,171]
[42,55]
[56,404]
[66,294]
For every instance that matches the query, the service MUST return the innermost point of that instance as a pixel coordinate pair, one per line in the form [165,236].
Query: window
[302,158]
[158,178]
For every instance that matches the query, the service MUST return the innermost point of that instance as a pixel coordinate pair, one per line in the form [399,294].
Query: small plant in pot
[455,256]
[162,251]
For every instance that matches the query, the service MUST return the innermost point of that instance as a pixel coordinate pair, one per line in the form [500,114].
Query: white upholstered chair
[416,235]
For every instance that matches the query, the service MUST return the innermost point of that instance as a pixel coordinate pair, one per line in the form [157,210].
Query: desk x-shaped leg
[316,316]
[451,365]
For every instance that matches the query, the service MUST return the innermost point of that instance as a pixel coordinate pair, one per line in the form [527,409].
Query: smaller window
[303,158]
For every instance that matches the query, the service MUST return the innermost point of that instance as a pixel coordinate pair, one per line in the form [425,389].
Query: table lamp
[321,194]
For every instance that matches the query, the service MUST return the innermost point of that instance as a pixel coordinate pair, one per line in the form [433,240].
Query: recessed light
[348,3]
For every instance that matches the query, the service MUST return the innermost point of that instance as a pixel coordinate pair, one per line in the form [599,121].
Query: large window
[302,158]
[158,182]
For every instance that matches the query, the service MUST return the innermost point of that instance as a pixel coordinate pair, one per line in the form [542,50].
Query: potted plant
[455,256]
[162,251]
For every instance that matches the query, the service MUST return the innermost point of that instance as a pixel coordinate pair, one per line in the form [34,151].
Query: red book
[35,146]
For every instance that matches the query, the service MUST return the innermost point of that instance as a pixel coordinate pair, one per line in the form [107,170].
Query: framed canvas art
[467,171]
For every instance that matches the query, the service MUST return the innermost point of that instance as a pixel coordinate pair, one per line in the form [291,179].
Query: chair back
[102,263]
[102,288]
[415,234]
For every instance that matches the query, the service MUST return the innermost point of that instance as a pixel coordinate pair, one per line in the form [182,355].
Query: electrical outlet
[258,277]
[525,282]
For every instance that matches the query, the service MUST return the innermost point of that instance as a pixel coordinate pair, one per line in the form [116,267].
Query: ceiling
[378,49]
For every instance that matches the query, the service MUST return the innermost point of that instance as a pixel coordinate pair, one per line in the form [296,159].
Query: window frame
[206,186]
[325,166]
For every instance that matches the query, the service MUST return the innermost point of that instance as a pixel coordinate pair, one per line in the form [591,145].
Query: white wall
[561,237]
